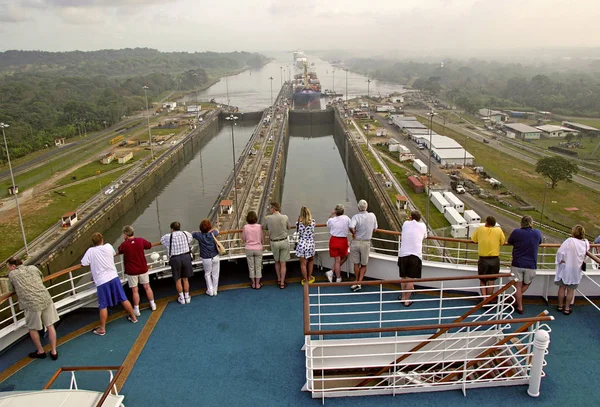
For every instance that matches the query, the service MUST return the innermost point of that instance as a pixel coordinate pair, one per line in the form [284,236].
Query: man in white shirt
[339,226]
[410,254]
[101,259]
[362,226]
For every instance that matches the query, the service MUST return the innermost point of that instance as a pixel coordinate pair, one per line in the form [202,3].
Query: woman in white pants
[210,255]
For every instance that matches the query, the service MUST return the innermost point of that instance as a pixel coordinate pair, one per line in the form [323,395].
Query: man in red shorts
[339,226]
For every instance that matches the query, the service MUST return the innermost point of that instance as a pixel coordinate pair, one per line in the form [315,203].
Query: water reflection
[188,191]
[251,90]
[315,176]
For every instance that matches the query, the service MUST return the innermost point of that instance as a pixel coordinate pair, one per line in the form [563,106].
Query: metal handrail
[442,331]
[594,257]
[109,388]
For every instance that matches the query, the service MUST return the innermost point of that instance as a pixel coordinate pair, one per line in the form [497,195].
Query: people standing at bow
[252,235]
[278,225]
[305,249]
[525,242]
[210,256]
[136,267]
[178,250]
[36,303]
[410,254]
[570,264]
[339,226]
[101,259]
[489,239]
[362,226]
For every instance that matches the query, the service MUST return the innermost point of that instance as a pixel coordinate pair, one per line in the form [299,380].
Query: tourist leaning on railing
[101,259]
[525,242]
[305,249]
[339,226]
[570,263]
[410,254]
[278,224]
[362,226]
[178,244]
[36,302]
[210,255]
[252,235]
[489,239]
[136,267]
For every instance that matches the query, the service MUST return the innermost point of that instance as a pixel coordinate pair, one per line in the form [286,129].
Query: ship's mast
[305,66]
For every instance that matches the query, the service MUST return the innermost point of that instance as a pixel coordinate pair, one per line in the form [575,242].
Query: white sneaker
[181,300]
[136,312]
[209,293]
[188,300]
[338,280]
[215,294]
[153,306]
[329,275]
[356,287]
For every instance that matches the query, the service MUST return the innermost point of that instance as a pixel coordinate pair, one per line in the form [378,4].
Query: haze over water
[315,175]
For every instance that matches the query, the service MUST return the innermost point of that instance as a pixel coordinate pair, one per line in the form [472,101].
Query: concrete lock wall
[71,247]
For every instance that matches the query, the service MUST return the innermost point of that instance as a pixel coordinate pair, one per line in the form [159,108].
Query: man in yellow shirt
[489,238]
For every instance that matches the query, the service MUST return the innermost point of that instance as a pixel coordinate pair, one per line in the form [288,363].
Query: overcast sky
[266,25]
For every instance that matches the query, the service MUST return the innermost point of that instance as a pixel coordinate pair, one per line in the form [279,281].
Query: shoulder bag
[220,248]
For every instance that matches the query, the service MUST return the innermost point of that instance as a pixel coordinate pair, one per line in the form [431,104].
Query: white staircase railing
[354,349]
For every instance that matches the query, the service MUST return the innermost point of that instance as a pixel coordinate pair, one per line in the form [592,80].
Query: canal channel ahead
[315,176]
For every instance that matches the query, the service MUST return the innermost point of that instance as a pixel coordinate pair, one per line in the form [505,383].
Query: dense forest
[565,87]
[44,95]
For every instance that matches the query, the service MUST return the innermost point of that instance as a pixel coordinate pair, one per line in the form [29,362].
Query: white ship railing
[351,350]
[73,287]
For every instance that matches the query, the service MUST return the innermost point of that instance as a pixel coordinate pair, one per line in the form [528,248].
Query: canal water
[315,176]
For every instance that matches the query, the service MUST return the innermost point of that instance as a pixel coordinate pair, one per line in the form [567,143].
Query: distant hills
[44,95]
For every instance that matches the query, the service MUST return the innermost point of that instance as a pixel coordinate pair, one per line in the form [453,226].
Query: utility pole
[368,88]
[281,75]
[233,120]
[431,114]
[271,78]
[346,85]
[333,86]
[148,118]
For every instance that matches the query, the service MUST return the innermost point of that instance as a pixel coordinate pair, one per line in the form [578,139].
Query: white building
[552,131]
[493,116]
[523,131]
[453,156]
[122,159]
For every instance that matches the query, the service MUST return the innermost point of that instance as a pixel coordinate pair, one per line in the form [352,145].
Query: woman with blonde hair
[570,264]
[305,249]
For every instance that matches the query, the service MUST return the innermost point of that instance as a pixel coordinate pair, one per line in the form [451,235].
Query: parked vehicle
[420,166]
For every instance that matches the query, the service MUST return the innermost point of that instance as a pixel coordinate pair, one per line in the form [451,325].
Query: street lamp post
[368,88]
[281,75]
[233,119]
[346,85]
[333,86]
[148,119]
[465,148]
[12,177]
[271,78]
[430,114]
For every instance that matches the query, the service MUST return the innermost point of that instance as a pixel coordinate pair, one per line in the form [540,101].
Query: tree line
[45,95]
[566,87]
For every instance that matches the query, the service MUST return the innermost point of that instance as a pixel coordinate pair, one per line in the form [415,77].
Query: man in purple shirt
[525,242]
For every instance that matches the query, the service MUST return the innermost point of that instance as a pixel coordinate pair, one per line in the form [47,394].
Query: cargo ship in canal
[307,87]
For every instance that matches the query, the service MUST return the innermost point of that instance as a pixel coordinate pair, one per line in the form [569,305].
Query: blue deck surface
[243,348]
